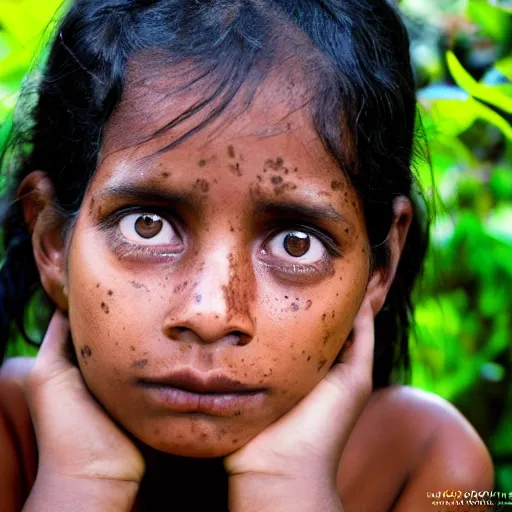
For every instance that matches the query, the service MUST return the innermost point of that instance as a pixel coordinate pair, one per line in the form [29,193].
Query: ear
[382,278]
[36,196]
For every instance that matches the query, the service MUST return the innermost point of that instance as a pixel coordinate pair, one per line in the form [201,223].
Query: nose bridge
[224,283]
[219,306]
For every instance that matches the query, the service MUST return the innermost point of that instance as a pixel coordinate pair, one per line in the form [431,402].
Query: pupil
[148,226]
[297,244]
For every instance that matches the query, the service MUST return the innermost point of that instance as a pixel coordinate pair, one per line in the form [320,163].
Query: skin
[231,300]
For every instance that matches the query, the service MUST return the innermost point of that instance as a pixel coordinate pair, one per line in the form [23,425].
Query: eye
[147,229]
[296,247]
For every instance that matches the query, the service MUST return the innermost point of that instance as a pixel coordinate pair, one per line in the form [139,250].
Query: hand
[302,450]
[76,438]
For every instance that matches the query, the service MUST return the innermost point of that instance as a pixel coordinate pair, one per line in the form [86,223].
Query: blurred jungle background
[462,52]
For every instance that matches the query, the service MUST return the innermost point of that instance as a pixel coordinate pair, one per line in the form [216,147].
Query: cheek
[301,341]
[305,330]
[111,315]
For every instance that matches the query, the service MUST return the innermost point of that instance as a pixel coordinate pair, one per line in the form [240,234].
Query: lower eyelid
[296,269]
[126,249]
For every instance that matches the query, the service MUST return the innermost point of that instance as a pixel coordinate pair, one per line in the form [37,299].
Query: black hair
[363,109]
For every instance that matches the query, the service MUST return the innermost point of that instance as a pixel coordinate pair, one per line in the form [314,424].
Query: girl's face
[212,286]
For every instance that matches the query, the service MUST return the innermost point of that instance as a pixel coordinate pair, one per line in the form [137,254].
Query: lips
[215,394]
[188,380]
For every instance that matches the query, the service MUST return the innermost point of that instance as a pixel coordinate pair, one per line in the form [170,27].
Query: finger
[53,353]
[359,351]
[332,408]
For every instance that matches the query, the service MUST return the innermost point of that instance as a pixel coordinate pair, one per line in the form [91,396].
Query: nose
[218,307]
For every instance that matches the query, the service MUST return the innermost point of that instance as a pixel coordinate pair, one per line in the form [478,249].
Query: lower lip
[215,404]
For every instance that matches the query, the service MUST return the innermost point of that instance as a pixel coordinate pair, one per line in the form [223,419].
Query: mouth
[187,391]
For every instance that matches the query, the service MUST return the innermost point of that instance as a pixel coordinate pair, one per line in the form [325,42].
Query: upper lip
[189,380]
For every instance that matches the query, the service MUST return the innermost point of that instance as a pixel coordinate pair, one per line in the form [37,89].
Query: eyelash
[110,225]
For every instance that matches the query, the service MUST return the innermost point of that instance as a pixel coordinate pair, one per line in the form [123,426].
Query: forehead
[268,124]
[162,101]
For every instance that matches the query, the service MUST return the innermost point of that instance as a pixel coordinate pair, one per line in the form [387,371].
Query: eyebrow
[138,193]
[263,207]
[294,209]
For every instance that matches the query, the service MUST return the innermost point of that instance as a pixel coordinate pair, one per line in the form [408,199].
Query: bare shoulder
[439,424]
[17,442]
[409,442]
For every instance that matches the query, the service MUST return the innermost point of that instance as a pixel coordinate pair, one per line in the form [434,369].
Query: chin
[197,449]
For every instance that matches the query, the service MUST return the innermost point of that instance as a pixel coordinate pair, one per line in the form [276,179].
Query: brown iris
[148,226]
[297,244]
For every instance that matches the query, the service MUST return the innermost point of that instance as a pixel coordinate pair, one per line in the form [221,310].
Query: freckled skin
[222,278]
[86,352]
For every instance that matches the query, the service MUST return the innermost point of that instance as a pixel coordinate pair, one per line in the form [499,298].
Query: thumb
[54,355]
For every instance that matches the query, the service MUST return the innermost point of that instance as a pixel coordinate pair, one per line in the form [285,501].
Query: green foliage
[462,54]
[22,27]
[462,343]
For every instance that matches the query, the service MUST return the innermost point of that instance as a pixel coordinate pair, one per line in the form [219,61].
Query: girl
[217,199]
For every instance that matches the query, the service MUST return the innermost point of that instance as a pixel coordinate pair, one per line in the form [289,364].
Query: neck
[182,483]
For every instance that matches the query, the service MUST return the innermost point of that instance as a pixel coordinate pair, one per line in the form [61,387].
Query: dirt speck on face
[141,363]
[275,165]
[132,348]
[281,189]
[105,308]
[202,185]
[231,152]
[308,304]
[86,352]
[337,185]
[179,288]
[198,299]
[166,174]
[276,180]
[202,162]
[294,306]
[138,286]
[110,292]
[236,169]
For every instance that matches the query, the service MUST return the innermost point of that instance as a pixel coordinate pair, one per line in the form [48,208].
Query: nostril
[242,339]
[176,332]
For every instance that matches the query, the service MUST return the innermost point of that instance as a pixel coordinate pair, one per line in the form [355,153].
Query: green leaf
[504,66]
[483,92]
[452,117]
[493,20]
